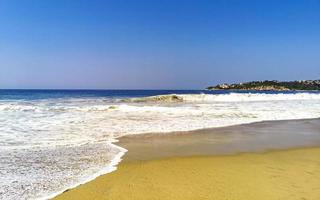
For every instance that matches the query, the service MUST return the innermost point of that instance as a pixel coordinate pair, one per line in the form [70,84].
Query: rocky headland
[270,85]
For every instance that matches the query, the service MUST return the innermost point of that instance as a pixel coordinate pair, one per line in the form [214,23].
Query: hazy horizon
[156,44]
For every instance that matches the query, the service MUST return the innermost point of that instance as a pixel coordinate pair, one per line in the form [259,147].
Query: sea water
[53,140]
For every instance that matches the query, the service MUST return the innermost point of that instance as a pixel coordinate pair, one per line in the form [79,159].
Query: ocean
[53,140]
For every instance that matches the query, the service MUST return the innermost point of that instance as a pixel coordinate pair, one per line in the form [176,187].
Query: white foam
[72,128]
[112,166]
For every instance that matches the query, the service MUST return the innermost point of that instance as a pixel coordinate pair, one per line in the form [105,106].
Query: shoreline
[123,157]
[255,90]
[134,154]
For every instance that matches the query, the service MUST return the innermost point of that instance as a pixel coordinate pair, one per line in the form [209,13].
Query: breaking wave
[232,97]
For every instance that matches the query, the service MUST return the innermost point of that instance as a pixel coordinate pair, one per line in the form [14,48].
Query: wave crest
[232,97]
[157,98]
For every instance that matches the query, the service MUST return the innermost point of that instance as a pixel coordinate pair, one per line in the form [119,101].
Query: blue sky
[156,44]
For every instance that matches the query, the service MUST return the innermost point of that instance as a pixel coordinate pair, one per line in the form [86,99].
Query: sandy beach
[154,169]
[287,174]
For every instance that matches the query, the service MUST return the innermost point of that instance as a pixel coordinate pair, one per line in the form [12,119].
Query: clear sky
[156,44]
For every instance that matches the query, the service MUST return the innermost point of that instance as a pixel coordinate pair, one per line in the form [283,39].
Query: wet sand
[255,137]
[279,163]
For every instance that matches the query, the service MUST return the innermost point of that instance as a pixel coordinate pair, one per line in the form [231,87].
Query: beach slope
[286,174]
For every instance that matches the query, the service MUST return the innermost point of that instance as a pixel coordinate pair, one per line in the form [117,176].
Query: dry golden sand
[287,174]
